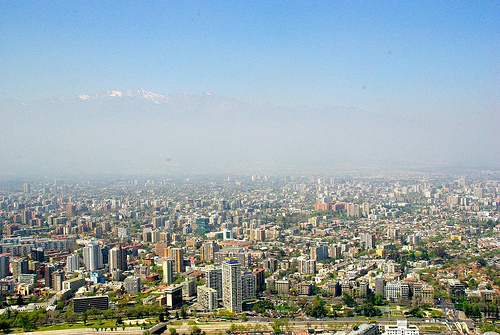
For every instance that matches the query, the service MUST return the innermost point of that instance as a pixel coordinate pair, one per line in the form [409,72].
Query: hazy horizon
[294,87]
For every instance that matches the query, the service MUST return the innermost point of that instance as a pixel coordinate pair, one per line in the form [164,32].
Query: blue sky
[406,58]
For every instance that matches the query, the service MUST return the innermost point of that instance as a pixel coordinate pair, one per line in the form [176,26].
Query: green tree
[263,305]
[367,309]
[349,300]
[184,311]
[195,330]
[276,325]
[84,318]
[317,309]
[416,312]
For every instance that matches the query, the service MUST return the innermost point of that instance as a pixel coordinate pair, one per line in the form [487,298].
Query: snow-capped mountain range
[139,130]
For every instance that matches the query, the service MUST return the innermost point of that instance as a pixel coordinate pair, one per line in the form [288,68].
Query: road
[221,327]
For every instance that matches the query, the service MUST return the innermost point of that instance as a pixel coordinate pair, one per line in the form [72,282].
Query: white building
[393,290]
[92,256]
[231,285]
[207,298]
[72,263]
[401,328]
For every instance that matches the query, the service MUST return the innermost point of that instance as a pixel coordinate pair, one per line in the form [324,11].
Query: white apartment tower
[92,256]
[72,263]
[231,285]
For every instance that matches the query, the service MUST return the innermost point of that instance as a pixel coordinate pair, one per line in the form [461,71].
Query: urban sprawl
[402,253]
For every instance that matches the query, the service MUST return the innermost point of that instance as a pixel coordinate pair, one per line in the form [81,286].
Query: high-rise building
[142,271]
[92,256]
[174,296]
[367,241]
[213,278]
[353,210]
[4,266]
[189,287]
[207,298]
[270,264]
[49,270]
[26,217]
[283,286]
[231,285]
[334,251]
[248,286]
[202,225]
[428,295]
[478,192]
[319,253]
[117,259]
[177,254]
[392,290]
[380,286]
[57,280]
[260,279]
[38,254]
[26,188]
[168,271]
[83,304]
[208,250]
[19,265]
[306,266]
[132,284]
[72,263]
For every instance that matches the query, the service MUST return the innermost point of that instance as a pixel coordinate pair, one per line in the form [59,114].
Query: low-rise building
[83,304]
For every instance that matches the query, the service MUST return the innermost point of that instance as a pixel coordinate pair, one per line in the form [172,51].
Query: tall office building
[202,225]
[231,285]
[38,254]
[92,256]
[117,259]
[4,266]
[72,263]
[177,254]
[168,271]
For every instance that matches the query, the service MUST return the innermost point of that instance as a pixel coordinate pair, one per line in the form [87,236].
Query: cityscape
[249,167]
[255,253]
